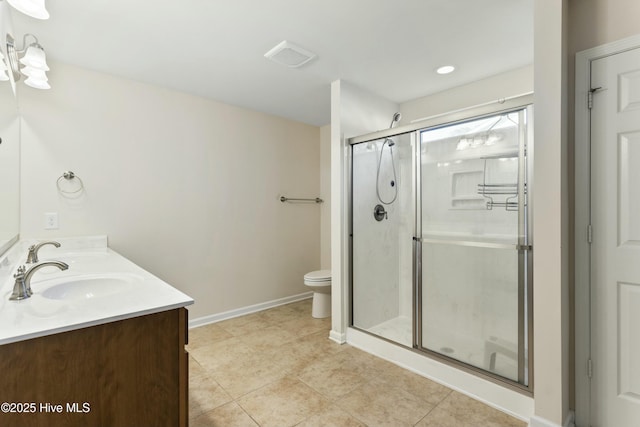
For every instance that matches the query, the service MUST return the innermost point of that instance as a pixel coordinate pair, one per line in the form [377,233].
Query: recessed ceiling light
[446,69]
[289,54]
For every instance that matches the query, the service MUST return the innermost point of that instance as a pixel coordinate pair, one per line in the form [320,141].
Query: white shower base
[475,351]
[397,330]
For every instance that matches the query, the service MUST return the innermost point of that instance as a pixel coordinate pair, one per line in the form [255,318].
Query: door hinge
[590,96]
[589,368]
[589,233]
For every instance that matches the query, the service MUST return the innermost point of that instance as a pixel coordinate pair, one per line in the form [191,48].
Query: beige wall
[504,85]
[596,22]
[185,187]
[325,194]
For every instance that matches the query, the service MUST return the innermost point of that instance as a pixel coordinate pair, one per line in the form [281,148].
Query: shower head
[390,142]
[396,118]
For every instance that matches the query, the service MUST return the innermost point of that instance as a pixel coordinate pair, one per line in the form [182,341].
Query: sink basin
[88,287]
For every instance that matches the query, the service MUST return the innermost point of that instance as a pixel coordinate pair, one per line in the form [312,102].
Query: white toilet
[320,283]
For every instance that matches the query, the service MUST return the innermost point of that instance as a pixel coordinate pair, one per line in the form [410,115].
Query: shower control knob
[379,213]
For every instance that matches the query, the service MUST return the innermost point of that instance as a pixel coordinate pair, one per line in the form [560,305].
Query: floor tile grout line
[248,414]
[394,386]
[427,414]
[329,398]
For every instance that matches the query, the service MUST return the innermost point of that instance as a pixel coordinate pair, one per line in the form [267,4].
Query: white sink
[90,286]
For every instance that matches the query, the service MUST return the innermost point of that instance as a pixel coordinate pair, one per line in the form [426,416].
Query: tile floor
[279,368]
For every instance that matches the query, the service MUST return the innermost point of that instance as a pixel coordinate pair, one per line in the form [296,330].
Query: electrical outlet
[51,220]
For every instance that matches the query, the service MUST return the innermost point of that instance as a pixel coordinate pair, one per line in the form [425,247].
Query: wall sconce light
[32,8]
[33,60]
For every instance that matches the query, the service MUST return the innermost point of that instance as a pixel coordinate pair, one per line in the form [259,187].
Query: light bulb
[32,8]
[35,57]
[446,69]
[35,73]
[37,84]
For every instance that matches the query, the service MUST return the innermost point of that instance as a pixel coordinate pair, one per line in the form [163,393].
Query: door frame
[582,219]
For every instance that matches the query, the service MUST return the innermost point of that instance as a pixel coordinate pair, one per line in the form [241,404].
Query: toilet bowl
[320,283]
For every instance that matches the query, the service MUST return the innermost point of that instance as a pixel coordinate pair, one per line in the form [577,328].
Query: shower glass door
[474,254]
[382,230]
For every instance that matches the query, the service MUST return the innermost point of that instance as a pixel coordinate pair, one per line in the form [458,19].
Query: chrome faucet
[22,285]
[32,257]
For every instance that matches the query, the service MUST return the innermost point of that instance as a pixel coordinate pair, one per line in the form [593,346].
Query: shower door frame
[524,246]
[525,258]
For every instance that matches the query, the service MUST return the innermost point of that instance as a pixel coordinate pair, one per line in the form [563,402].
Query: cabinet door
[129,372]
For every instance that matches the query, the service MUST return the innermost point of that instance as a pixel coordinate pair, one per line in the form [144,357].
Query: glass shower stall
[440,241]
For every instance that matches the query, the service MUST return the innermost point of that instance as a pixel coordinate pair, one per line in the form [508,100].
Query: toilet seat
[317,277]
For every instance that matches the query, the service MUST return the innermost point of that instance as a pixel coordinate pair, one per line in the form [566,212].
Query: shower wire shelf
[510,203]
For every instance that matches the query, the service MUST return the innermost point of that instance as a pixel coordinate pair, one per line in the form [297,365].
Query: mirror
[9,167]
[9,159]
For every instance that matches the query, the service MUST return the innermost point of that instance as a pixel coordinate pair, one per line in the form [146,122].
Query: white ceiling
[215,48]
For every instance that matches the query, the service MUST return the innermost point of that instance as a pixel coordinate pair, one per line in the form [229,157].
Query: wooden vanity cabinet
[131,372]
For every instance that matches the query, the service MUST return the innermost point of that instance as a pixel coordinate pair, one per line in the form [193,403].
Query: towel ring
[68,176]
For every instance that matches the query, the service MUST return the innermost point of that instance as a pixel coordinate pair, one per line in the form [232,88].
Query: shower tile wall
[451,205]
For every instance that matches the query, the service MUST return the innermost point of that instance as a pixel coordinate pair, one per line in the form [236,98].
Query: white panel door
[615,251]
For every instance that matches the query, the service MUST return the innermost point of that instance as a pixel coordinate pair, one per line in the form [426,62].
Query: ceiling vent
[287,53]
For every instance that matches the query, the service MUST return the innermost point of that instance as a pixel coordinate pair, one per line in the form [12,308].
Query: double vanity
[100,343]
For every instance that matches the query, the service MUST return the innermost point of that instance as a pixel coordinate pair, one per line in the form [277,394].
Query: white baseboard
[213,318]
[337,337]
[536,421]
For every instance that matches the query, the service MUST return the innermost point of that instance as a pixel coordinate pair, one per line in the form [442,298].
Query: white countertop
[47,311]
